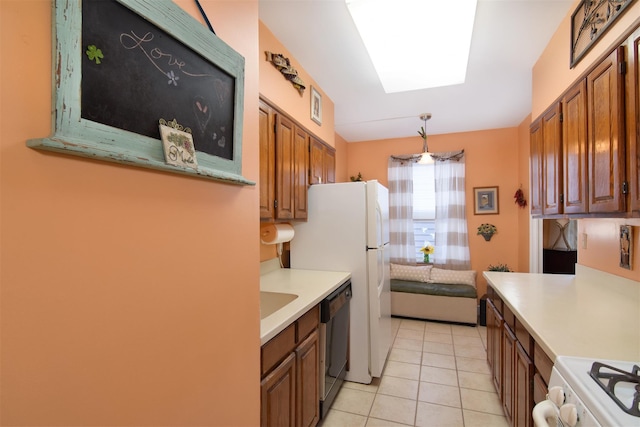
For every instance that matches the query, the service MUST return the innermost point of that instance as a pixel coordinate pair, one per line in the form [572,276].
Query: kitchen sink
[270,302]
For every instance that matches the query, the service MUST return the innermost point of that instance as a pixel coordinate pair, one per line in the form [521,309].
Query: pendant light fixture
[426,158]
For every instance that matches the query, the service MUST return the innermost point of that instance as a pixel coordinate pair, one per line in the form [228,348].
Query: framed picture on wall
[316,106]
[485,200]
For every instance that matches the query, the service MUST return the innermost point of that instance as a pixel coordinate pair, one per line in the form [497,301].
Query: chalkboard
[122,65]
[144,74]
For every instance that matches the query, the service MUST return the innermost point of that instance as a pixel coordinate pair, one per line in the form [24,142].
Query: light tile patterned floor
[436,375]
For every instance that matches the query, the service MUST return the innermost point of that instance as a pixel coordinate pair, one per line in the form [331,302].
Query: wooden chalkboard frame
[78,136]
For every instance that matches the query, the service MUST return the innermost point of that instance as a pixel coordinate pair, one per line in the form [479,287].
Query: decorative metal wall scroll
[289,73]
[590,20]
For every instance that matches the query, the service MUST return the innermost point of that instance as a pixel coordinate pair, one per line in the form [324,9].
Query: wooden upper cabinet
[285,151]
[633,127]
[552,160]
[300,166]
[322,162]
[536,167]
[267,161]
[574,146]
[330,165]
[606,134]
[285,141]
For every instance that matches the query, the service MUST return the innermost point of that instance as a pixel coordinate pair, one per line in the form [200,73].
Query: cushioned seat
[430,293]
[441,289]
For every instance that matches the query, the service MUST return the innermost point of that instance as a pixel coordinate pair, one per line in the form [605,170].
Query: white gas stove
[588,392]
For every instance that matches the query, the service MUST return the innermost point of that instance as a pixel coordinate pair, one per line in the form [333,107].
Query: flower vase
[426,258]
[487,236]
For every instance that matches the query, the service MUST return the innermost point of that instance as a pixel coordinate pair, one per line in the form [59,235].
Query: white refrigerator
[348,230]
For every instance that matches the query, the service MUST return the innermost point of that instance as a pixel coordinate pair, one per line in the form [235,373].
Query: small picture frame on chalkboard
[316,106]
[178,147]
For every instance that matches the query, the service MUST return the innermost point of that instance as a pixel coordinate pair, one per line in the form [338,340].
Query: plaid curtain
[452,239]
[401,238]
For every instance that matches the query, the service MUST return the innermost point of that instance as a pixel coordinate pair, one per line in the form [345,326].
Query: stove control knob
[556,395]
[569,414]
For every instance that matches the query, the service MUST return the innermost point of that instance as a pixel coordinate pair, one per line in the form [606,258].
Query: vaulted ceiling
[508,38]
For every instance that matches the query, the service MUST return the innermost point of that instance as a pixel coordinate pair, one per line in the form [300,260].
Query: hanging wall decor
[590,20]
[626,246]
[120,66]
[289,73]
[520,200]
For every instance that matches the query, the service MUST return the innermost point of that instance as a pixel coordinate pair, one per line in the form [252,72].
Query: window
[424,208]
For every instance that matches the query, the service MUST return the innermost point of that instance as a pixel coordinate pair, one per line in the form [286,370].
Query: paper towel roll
[276,233]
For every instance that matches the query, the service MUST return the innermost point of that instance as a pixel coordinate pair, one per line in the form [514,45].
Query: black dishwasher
[334,344]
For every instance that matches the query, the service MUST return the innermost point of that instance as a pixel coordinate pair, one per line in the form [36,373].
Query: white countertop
[311,287]
[592,314]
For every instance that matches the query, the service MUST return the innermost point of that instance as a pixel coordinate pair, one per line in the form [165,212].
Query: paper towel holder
[277,234]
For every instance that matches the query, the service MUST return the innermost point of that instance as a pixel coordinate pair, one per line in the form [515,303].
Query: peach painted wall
[342,158]
[492,159]
[602,251]
[551,76]
[119,284]
[281,92]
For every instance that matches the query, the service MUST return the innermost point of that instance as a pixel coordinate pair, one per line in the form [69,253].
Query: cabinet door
[494,347]
[574,145]
[634,119]
[316,160]
[285,141]
[523,386]
[536,167]
[329,165]
[307,381]
[552,161]
[300,165]
[605,112]
[508,374]
[278,394]
[267,161]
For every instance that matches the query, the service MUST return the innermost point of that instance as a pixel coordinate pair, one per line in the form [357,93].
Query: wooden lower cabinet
[277,395]
[494,345]
[290,366]
[508,372]
[520,369]
[307,387]
[522,388]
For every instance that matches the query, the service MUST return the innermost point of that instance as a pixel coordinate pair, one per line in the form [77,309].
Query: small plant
[499,267]
[487,229]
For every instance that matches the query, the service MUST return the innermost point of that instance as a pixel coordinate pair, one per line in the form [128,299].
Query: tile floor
[436,375]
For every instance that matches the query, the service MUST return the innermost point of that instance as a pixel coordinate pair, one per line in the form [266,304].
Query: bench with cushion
[431,293]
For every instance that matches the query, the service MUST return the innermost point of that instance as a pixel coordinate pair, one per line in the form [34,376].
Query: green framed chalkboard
[122,65]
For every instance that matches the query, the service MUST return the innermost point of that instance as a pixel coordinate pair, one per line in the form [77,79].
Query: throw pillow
[414,273]
[453,277]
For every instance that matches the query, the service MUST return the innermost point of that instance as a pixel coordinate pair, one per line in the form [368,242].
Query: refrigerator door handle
[379,225]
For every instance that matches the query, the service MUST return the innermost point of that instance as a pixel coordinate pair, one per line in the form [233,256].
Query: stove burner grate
[614,376]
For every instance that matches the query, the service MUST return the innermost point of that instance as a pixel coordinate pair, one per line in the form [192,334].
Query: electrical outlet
[583,236]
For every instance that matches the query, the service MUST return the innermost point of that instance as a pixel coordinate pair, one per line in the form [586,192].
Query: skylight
[416,44]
